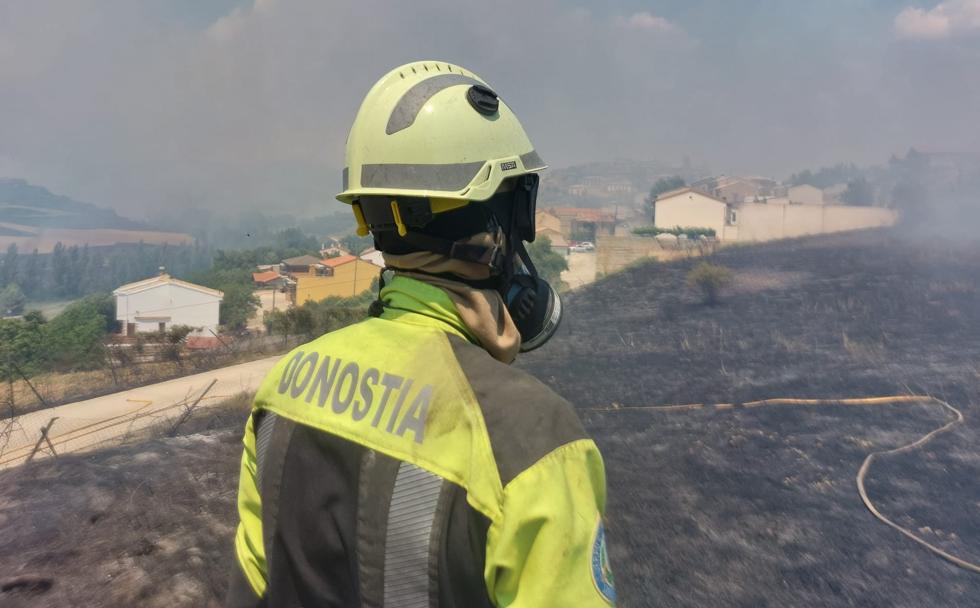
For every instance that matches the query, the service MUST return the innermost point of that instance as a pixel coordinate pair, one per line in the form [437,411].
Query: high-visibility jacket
[395,463]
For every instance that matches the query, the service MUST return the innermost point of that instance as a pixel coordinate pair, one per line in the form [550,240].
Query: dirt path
[581,269]
[85,424]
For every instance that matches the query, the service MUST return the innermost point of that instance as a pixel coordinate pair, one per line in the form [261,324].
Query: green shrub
[12,300]
[709,279]
[692,232]
[549,264]
[237,306]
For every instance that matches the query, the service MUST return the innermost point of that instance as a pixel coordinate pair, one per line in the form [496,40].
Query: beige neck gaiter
[482,310]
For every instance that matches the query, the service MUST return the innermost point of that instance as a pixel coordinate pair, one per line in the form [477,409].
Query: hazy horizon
[238,103]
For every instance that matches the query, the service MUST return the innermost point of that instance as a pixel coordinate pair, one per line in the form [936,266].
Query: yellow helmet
[434,130]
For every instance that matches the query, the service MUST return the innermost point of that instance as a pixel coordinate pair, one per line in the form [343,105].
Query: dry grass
[66,387]
[146,525]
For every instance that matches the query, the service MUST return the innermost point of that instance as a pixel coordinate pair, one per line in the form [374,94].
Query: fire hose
[871,457]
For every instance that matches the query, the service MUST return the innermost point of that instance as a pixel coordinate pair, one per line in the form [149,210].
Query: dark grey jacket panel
[525,419]
[325,544]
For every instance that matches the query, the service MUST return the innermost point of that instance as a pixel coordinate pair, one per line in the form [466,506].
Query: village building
[559,244]
[801,213]
[547,219]
[583,224]
[735,189]
[343,276]
[690,208]
[269,279]
[302,265]
[547,224]
[161,302]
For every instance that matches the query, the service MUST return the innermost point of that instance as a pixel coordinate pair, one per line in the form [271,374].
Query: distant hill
[35,219]
[25,204]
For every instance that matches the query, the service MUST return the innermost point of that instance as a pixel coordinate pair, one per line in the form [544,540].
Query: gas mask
[533,304]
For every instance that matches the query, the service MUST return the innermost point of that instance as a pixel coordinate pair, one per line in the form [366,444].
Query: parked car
[583,247]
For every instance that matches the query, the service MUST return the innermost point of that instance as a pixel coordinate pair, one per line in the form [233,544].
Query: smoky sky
[154,104]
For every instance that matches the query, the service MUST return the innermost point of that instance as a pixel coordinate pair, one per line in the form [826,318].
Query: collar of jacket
[416,303]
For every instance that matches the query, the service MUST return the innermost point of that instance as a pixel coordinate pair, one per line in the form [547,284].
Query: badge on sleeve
[602,574]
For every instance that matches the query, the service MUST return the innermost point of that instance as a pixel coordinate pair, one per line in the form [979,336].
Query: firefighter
[402,461]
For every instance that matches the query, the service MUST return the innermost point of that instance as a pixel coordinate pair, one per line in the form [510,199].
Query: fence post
[43,439]
[188,410]
[31,385]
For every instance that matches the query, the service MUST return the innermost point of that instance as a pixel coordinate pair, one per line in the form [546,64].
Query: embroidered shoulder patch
[602,574]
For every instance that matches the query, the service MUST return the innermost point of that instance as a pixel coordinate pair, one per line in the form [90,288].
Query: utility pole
[353,291]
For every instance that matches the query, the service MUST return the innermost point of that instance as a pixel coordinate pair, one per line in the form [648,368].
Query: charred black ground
[741,507]
[758,507]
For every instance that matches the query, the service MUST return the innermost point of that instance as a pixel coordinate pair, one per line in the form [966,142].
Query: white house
[162,301]
[690,208]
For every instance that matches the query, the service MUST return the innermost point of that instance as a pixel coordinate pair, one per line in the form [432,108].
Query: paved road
[93,422]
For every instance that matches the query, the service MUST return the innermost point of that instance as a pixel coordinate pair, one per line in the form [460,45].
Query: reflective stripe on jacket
[395,463]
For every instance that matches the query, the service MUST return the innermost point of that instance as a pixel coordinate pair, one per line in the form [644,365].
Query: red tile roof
[338,261]
[201,342]
[265,277]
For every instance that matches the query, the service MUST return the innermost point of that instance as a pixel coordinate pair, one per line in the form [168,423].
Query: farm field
[736,506]
[29,238]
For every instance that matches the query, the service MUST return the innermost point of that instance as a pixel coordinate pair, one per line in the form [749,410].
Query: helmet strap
[459,250]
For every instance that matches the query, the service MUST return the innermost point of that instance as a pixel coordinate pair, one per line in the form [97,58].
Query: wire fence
[122,370]
[52,433]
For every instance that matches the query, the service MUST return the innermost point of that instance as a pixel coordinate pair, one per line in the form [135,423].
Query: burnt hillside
[758,507]
[737,507]
[865,313]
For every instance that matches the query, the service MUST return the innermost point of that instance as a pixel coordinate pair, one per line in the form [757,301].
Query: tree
[356,244]
[21,342]
[8,266]
[237,306]
[73,339]
[173,340]
[549,264]
[12,300]
[301,320]
[295,239]
[664,184]
[824,177]
[859,192]
[278,322]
